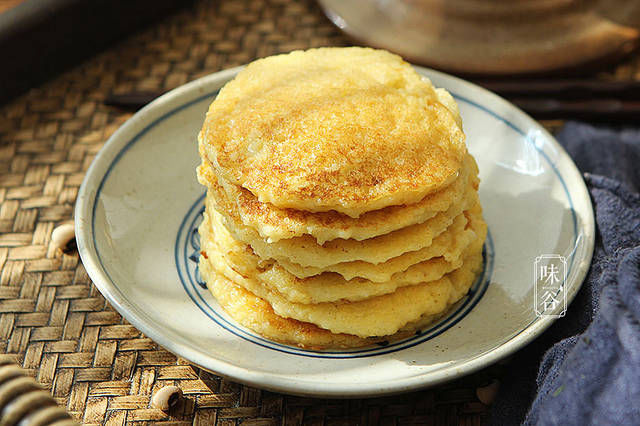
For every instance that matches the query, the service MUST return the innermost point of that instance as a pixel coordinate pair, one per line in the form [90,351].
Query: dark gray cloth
[585,370]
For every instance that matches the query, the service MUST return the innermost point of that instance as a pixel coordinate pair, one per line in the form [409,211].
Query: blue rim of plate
[345,354]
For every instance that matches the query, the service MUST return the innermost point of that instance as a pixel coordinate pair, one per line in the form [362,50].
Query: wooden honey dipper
[24,402]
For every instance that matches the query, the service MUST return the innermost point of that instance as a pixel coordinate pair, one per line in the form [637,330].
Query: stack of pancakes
[342,204]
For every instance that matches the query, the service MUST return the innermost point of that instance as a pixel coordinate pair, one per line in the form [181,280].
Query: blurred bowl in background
[498,37]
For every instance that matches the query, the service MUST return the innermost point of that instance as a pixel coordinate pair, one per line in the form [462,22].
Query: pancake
[342,206]
[375,316]
[256,314]
[447,100]
[273,223]
[448,245]
[306,252]
[327,287]
[345,129]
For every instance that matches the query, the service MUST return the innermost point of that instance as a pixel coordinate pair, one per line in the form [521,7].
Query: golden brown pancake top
[345,129]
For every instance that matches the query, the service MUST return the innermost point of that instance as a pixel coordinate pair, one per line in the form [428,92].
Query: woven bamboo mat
[56,324]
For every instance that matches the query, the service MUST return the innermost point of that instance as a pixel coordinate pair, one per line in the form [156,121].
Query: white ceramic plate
[140,202]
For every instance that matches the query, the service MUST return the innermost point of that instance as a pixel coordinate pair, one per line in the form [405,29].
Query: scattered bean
[166,397]
[64,238]
[487,394]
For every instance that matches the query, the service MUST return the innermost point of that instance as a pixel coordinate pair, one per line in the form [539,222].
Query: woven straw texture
[55,323]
